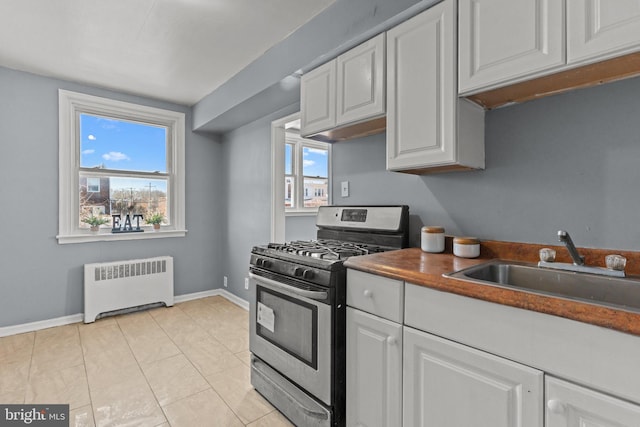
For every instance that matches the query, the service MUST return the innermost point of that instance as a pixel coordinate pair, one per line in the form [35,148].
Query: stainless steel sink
[621,293]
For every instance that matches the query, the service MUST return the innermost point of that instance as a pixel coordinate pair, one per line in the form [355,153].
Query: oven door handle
[315,295]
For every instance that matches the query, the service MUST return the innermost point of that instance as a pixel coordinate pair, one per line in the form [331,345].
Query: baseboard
[76,318]
[41,324]
[212,293]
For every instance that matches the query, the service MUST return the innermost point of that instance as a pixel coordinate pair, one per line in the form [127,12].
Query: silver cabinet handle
[315,295]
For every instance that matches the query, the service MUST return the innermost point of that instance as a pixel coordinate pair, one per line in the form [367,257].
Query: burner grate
[326,249]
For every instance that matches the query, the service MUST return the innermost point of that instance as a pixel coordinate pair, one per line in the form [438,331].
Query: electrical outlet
[224,282]
[344,189]
[246,283]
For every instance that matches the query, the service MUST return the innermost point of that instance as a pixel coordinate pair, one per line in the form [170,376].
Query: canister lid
[431,229]
[466,240]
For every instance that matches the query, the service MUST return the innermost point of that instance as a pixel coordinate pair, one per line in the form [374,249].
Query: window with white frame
[307,165]
[118,158]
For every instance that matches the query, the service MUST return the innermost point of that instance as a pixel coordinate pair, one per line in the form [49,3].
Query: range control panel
[375,218]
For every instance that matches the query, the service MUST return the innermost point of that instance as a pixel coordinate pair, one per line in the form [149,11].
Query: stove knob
[262,262]
[298,271]
[307,274]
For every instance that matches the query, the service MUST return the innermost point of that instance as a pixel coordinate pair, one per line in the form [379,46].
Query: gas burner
[326,249]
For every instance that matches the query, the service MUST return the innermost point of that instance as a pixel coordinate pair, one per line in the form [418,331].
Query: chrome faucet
[564,237]
[578,265]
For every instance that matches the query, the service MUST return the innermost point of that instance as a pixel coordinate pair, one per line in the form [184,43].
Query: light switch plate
[344,189]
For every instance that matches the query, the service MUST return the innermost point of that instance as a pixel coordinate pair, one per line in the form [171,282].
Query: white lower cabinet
[374,370]
[570,405]
[448,384]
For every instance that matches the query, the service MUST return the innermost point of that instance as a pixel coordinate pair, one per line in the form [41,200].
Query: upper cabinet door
[361,81]
[503,40]
[421,90]
[318,99]
[601,29]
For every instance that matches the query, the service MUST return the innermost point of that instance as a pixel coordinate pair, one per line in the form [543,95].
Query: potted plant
[95,222]
[155,219]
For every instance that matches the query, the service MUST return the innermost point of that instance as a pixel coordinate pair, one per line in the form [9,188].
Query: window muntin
[307,162]
[148,165]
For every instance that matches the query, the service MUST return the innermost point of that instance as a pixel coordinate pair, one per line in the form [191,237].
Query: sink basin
[620,293]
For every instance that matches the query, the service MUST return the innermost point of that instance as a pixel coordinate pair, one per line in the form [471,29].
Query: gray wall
[246,154]
[569,161]
[40,279]
[300,228]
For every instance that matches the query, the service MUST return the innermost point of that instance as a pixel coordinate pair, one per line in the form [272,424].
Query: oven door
[290,329]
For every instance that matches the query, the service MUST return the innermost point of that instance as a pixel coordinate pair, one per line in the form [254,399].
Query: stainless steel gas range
[297,317]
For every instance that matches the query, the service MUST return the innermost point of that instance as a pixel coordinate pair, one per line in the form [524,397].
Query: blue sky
[122,145]
[314,161]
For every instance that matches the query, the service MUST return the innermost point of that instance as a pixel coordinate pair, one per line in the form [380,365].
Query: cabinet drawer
[375,294]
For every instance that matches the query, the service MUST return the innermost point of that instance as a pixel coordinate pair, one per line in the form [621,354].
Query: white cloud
[88,151]
[315,151]
[91,137]
[308,163]
[115,156]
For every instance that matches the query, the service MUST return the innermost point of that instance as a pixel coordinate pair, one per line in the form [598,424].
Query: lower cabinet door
[448,384]
[374,370]
[570,405]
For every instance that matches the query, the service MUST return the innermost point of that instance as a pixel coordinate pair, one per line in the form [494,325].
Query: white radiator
[117,285]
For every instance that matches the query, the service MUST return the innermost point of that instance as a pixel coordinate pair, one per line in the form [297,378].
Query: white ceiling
[175,50]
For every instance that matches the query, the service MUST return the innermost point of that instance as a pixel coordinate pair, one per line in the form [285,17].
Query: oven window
[295,328]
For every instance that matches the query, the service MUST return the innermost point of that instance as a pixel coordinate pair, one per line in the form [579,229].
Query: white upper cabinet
[423,109]
[350,89]
[318,99]
[570,405]
[601,29]
[360,82]
[502,40]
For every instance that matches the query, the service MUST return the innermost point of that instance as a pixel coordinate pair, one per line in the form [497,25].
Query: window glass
[288,159]
[107,143]
[289,191]
[315,162]
[122,196]
[306,174]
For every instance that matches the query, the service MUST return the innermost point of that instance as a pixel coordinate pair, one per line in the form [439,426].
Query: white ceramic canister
[432,239]
[466,247]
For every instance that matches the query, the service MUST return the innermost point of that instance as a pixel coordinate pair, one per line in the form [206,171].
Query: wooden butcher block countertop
[426,269]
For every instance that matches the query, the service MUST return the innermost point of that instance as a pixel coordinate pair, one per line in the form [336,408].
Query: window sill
[106,236]
[301,213]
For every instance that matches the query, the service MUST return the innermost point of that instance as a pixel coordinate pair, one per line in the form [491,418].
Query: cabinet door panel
[421,90]
[600,29]
[374,370]
[569,405]
[361,82]
[447,384]
[502,40]
[318,99]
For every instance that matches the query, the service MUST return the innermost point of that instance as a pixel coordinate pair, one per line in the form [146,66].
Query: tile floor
[182,366]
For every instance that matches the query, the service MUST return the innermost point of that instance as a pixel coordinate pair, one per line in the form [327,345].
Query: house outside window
[307,166]
[92,185]
[118,158]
